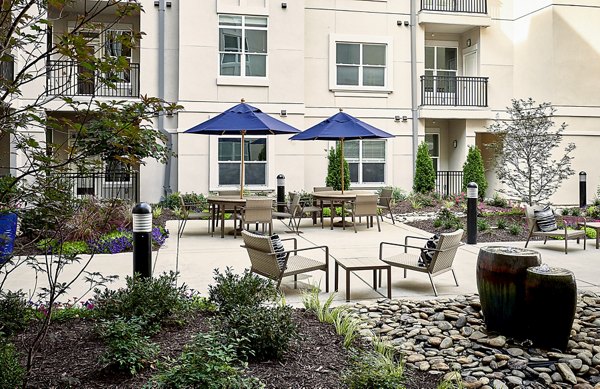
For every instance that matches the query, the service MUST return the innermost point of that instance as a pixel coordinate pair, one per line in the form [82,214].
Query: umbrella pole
[242,177]
[342,161]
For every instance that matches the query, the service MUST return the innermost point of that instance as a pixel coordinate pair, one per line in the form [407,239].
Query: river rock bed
[447,337]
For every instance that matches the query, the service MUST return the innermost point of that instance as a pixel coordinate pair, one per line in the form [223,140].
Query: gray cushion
[545,219]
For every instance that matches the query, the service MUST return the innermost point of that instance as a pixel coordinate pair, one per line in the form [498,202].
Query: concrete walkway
[196,254]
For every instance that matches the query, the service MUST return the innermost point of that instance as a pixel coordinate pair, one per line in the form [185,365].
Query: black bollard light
[582,189]
[472,213]
[280,193]
[142,239]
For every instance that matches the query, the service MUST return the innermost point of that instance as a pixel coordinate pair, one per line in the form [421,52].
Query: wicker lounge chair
[264,259]
[563,231]
[441,261]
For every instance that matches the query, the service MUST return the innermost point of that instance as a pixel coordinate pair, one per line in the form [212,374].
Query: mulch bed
[69,357]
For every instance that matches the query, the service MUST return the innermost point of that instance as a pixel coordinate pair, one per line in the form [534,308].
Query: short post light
[472,213]
[142,239]
[582,189]
[280,193]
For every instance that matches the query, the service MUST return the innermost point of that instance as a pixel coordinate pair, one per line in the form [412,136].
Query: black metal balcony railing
[466,6]
[454,91]
[105,185]
[69,78]
[449,182]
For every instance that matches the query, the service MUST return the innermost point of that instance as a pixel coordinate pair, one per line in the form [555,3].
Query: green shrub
[172,201]
[67,249]
[398,194]
[153,300]
[262,333]
[233,290]
[424,180]
[15,313]
[71,313]
[93,217]
[209,362]
[590,232]
[127,348]
[514,229]
[482,225]
[474,171]
[448,220]
[334,174]
[157,211]
[593,211]
[502,224]
[11,371]
[373,370]
[497,201]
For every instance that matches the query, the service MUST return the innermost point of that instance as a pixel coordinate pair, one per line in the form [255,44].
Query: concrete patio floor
[196,254]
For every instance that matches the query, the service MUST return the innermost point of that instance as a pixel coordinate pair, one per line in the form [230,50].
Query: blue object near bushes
[8,231]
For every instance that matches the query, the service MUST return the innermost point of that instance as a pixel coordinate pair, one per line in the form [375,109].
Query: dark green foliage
[127,348]
[497,201]
[209,362]
[231,291]
[447,219]
[11,371]
[424,180]
[15,314]
[482,225]
[373,370]
[473,171]
[515,229]
[334,171]
[262,332]
[502,224]
[49,245]
[172,201]
[153,300]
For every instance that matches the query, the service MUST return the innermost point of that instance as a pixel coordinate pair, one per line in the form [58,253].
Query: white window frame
[448,45]
[360,160]
[435,159]
[215,172]
[334,39]
[243,53]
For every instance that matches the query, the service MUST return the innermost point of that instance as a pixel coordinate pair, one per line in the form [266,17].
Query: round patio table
[336,196]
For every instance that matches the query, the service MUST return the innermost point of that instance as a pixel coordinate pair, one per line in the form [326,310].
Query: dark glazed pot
[551,300]
[501,272]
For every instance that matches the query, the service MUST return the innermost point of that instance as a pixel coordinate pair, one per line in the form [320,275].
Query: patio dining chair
[269,260]
[365,205]
[440,257]
[384,203]
[189,211]
[542,222]
[258,211]
[290,211]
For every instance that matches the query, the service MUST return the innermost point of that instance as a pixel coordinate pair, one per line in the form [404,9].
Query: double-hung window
[366,159]
[255,161]
[360,64]
[433,143]
[242,46]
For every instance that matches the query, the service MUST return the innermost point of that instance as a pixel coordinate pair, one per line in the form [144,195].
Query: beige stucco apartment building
[438,71]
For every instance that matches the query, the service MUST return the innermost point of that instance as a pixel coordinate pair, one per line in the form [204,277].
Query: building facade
[438,71]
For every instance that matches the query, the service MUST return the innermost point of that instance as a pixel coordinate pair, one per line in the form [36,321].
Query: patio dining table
[336,196]
[218,205]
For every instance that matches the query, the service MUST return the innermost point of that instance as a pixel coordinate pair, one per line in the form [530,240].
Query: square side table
[355,264]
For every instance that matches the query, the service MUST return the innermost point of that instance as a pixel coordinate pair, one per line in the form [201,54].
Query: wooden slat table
[595,226]
[355,264]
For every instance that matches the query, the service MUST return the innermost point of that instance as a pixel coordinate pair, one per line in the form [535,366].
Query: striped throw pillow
[279,250]
[545,219]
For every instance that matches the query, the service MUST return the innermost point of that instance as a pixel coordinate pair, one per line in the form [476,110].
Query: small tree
[473,171]
[524,160]
[334,176]
[424,181]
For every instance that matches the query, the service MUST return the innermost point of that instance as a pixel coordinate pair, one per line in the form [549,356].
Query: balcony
[455,91]
[464,6]
[68,78]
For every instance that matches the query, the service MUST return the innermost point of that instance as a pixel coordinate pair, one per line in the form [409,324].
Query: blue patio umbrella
[341,126]
[242,119]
